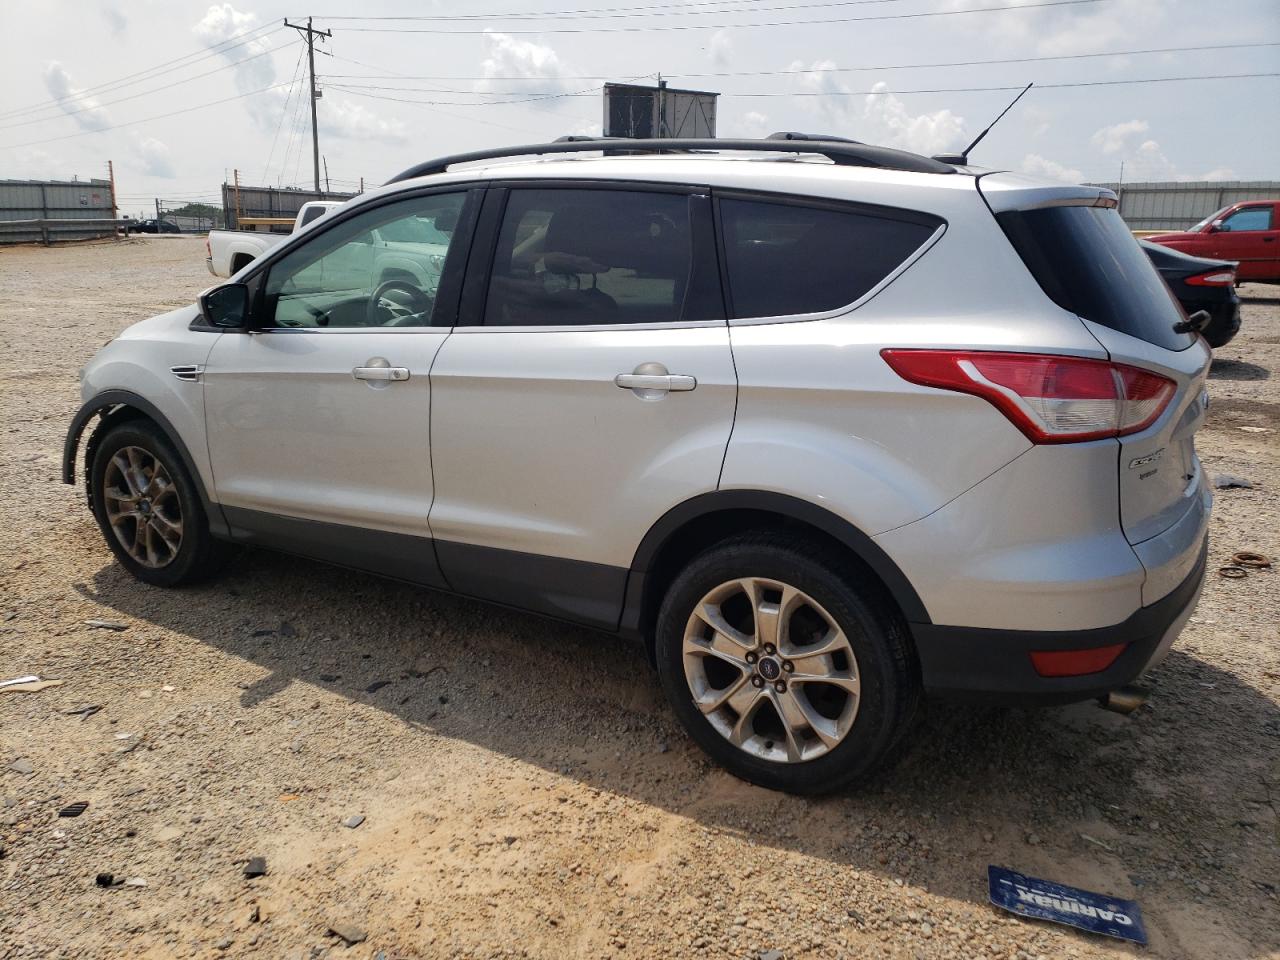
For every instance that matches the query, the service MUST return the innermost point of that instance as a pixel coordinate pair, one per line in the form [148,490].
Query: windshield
[1217,215]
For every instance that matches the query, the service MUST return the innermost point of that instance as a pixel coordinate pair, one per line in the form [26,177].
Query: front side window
[785,259]
[590,256]
[1250,218]
[379,269]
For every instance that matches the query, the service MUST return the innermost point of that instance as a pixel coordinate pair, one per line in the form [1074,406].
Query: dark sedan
[1201,284]
[153,226]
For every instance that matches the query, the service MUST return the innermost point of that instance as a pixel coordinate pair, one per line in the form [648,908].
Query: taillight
[1218,278]
[1050,398]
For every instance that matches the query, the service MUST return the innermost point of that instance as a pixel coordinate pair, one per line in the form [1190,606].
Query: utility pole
[1120,187]
[310,34]
[111,175]
[663,131]
[237,176]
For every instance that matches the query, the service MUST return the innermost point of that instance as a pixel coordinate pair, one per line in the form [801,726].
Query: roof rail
[843,153]
[794,135]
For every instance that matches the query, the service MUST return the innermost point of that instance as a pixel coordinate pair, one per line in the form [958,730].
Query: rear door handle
[665,382]
[379,369]
[650,381]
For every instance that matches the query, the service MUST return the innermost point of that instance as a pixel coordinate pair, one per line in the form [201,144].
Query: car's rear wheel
[148,509]
[783,666]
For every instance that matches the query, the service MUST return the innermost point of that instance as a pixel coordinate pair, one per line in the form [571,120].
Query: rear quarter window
[788,258]
[1086,261]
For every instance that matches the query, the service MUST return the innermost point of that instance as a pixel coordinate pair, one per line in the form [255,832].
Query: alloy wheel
[142,506]
[771,670]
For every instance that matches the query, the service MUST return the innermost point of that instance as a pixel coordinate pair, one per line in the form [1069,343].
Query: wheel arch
[704,520]
[118,406]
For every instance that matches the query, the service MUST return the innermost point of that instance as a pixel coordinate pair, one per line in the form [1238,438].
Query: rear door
[1087,260]
[587,389]
[1250,236]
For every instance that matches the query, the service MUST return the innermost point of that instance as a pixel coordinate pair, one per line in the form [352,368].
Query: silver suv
[827,426]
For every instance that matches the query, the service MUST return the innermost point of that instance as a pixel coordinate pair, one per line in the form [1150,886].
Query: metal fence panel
[1178,205]
[54,200]
[267,202]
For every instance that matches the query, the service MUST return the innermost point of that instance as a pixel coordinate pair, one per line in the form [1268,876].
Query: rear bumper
[208,262]
[994,666]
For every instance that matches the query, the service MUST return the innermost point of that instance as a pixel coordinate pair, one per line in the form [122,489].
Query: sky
[179,93]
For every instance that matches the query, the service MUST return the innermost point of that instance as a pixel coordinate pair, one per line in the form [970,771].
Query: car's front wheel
[148,509]
[782,666]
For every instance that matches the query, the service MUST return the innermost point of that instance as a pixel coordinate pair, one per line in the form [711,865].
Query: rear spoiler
[1013,191]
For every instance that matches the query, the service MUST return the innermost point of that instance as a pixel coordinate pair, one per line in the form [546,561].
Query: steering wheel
[418,301]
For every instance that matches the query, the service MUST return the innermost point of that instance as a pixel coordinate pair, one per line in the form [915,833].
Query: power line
[284,111]
[135,96]
[616,13]
[151,72]
[310,33]
[737,26]
[791,72]
[1039,86]
[159,116]
[835,93]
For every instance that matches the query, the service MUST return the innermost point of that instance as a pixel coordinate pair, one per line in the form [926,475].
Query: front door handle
[380,370]
[651,380]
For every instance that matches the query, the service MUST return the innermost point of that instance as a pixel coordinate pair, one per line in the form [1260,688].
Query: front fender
[117,405]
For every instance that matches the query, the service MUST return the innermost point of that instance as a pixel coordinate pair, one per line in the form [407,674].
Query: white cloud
[253,69]
[513,57]
[1115,138]
[84,110]
[755,124]
[879,117]
[720,48]
[928,133]
[116,20]
[153,157]
[1038,166]
[224,23]
[1062,30]
[343,118]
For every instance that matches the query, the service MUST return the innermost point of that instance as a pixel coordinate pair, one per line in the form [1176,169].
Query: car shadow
[1225,369]
[1087,788]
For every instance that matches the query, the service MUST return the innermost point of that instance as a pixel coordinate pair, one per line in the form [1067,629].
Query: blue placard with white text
[1045,900]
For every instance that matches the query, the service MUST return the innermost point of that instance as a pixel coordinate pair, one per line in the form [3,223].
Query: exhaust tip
[1125,700]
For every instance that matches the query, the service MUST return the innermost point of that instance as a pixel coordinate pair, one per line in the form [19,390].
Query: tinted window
[1250,218]
[1088,262]
[312,213]
[590,257]
[352,276]
[786,259]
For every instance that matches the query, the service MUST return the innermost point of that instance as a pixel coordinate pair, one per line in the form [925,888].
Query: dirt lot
[526,792]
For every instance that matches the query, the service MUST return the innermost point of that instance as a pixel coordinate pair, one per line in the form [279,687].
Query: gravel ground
[524,789]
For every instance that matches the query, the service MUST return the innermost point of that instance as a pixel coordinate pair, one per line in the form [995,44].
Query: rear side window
[1088,262]
[785,259]
[591,256]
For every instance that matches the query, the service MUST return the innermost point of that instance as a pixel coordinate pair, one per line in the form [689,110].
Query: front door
[587,389]
[1250,236]
[318,419]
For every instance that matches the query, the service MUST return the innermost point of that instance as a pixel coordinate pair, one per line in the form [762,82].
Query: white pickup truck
[228,251]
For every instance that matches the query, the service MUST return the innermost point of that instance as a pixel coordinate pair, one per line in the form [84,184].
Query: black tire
[890,686]
[198,555]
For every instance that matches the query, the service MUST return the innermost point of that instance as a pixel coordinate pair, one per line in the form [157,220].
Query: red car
[1247,232]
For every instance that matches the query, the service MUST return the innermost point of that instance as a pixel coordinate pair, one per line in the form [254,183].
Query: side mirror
[1215,227]
[226,306]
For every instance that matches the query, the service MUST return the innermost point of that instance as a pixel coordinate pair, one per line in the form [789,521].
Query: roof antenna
[962,157]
